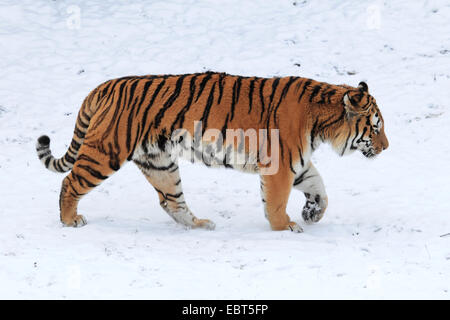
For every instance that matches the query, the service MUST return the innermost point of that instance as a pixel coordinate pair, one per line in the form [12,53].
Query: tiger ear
[351,107]
[363,87]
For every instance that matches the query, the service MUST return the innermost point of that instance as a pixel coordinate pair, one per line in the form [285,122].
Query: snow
[385,232]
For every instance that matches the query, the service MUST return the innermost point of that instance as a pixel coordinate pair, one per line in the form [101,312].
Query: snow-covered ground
[386,231]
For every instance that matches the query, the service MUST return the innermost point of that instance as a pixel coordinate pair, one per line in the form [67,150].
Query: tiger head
[364,129]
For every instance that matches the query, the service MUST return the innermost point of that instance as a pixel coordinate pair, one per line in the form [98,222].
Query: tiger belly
[211,154]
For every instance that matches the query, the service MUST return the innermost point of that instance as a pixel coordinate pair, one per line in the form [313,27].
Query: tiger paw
[312,212]
[204,224]
[314,208]
[294,227]
[76,222]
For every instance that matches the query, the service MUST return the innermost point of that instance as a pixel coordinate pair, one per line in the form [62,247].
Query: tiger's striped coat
[135,119]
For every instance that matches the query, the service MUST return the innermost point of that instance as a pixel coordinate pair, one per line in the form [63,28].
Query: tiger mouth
[369,153]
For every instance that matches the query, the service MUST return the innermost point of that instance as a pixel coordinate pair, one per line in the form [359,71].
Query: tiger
[149,120]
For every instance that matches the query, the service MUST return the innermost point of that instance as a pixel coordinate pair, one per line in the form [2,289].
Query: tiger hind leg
[162,172]
[91,168]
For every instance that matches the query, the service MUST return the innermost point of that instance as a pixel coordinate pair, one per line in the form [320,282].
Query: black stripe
[235,98]
[71,151]
[366,105]
[315,92]
[117,108]
[152,100]
[261,97]
[313,133]
[138,132]
[250,94]
[161,140]
[221,85]
[87,158]
[300,81]
[270,108]
[290,163]
[69,158]
[209,103]
[139,105]
[330,94]
[226,157]
[132,90]
[323,94]
[346,142]
[307,83]
[143,95]
[203,84]
[357,132]
[220,142]
[160,192]
[80,134]
[122,88]
[169,101]
[75,194]
[173,196]
[274,88]
[122,110]
[149,166]
[113,157]
[180,115]
[110,97]
[282,96]
[57,166]
[129,125]
[84,114]
[301,178]
[83,181]
[340,118]
[75,145]
[63,162]
[42,147]
[92,172]
[45,154]
[103,93]
[362,135]
[82,124]
[281,149]
[166,196]
[164,93]
[301,157]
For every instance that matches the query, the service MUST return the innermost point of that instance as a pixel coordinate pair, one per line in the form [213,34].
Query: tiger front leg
[310,182]
[275,190]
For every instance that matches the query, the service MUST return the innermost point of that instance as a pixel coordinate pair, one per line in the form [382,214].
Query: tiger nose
[385,144]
